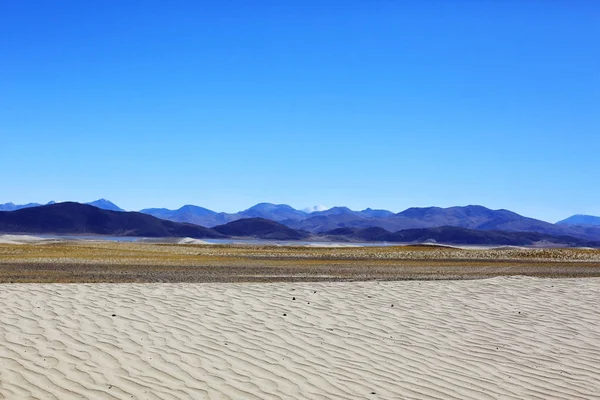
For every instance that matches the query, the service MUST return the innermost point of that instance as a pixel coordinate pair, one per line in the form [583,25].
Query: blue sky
[383,104]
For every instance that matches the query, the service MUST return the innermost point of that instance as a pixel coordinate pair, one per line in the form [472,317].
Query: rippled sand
[497,338]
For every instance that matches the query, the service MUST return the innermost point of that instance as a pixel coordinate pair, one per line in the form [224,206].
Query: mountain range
[206,217]
[83,219]
[14,207]
[75,218]
[469,217]
[456,235]
[472,217]
[100,203]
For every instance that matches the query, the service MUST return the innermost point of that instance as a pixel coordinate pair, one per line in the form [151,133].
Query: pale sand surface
[21,239]
[509,338]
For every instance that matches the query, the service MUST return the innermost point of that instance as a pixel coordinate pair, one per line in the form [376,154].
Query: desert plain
[103,320]
[30,259]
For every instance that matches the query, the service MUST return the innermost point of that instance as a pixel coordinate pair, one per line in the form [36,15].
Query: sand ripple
[509,338]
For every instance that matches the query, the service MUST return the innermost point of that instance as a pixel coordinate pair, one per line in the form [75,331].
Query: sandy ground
[21,239]
[510,338]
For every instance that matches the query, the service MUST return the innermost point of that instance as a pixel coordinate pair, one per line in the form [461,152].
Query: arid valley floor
[89,261]
[103,320]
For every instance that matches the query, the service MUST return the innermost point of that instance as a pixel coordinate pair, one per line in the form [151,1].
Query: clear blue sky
[383,104]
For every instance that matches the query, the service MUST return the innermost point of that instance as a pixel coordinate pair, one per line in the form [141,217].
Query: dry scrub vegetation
[143,262]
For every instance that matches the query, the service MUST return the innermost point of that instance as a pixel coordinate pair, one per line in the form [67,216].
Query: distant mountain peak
[340,208]
[13,207]
[266,206]
[581,219]
[375,213]
[196,210]
[313,209]
[275,212]
[105,205]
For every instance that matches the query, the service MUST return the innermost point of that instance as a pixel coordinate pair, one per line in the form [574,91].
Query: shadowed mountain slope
[457,235]
[260,228]
[75,218]
[474,217]
[467,217]
[373,234]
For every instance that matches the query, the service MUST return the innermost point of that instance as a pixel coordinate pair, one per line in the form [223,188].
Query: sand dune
[510,338]
[20,239]
[188,240]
